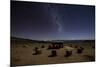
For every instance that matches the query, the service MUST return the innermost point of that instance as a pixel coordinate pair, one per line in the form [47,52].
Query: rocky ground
[21,53]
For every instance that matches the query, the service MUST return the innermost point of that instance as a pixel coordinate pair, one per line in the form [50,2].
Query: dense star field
[46,21]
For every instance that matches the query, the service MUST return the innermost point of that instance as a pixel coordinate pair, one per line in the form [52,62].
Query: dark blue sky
[45,21]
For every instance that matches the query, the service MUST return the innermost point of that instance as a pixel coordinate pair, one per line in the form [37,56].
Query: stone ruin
[68,53]
[36,51]
[80,50]
[55,45]
[53,53]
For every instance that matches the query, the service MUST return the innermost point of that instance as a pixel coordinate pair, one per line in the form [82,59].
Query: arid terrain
[22,52]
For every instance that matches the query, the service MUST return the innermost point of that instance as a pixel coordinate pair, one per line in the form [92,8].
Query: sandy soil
[21,54]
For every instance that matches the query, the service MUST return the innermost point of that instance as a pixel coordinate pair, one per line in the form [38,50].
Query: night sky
[45,21]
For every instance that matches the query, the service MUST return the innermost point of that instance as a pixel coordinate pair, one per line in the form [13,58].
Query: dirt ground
[21,54]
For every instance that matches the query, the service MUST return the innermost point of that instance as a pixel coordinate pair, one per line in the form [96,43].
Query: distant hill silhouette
[16,39]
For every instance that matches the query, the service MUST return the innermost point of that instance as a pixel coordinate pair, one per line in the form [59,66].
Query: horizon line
[50,39]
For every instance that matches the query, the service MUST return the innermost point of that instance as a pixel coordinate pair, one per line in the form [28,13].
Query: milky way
[52,9]
[50,21]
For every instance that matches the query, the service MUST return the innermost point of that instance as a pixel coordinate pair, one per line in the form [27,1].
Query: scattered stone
[37,51]
[53,53]
[55,46]
[42,46]
[80,50]
[68,53]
